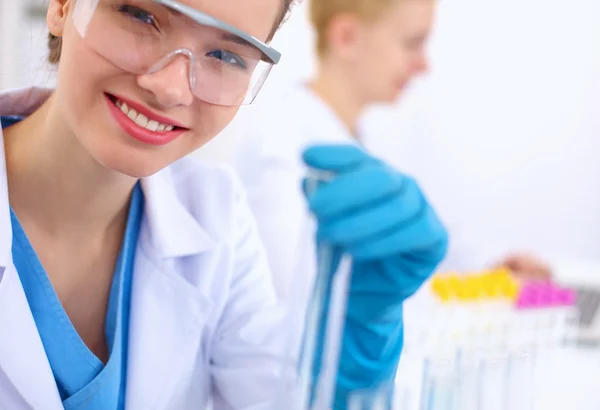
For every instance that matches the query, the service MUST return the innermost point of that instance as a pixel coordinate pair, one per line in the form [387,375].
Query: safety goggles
[226,65]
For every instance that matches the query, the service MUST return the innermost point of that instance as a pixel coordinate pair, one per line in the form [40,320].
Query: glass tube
[520,380]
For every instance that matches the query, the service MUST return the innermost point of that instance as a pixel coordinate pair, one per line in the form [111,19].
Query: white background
[504,133]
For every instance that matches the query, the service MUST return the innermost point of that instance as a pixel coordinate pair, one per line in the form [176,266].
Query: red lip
[151,116]
[140,133]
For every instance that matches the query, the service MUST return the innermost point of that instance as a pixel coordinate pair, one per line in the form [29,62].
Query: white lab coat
[204,321]
[270,166]
[269,162]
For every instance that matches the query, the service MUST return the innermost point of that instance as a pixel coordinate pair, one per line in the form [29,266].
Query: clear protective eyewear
[226,65]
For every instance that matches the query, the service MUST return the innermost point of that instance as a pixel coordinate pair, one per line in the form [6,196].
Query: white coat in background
[269,163]
[204,321]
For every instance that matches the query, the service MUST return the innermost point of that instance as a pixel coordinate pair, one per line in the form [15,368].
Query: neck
[54,182]
[335,87]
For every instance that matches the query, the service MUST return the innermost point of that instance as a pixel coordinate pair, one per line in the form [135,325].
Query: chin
[134,172]
[134,166]
[395,96]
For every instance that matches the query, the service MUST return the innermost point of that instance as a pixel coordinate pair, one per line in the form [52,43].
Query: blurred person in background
[368,53]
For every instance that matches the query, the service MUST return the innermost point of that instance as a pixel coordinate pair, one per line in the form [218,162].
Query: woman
[368,52]
[129,276]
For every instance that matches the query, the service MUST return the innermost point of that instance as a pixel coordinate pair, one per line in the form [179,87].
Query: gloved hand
[382,219]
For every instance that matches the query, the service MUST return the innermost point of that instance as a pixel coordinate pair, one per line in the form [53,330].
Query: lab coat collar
[173,231]
[317,113]
[15,102]
[5,224]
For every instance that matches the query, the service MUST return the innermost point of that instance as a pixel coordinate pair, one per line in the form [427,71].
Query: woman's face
[88,84]
[391,51]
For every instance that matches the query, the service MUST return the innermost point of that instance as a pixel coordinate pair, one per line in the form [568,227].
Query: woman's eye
[229,58]
[138,14]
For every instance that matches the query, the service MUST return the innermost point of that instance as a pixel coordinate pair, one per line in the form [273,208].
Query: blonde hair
[322,12]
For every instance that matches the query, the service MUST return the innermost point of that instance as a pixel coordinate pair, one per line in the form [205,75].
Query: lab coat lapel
[25,374]
[15,102]
[168,314]
[23,360]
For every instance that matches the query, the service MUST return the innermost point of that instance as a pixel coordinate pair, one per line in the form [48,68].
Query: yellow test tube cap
[472,288]
[441,288]
[511,289]
[490,286]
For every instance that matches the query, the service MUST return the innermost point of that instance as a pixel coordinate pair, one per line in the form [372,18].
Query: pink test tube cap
[568,297]
[528,300]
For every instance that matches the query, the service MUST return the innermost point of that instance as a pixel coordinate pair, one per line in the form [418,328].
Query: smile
[141,124]
[141,119]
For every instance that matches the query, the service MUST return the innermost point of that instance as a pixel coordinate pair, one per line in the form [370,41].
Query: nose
[169,83]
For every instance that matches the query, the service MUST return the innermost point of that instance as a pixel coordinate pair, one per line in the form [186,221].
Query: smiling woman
[132,276]
[129,271]
[189,65]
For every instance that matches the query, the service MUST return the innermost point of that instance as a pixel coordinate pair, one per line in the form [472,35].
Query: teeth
[142,120]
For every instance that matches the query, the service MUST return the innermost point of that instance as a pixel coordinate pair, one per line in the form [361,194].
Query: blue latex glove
[382,219]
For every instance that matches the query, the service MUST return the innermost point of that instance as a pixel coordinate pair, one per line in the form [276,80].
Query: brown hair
[55,43]
[322,12]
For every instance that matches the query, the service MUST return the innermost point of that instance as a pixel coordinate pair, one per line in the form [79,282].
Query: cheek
[383,60]
[80,73]
[210,120]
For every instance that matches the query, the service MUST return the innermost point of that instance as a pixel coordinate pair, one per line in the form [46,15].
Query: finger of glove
[375,219]
[423,233]
[371,301]
[378,288]
[353,190]
[335,157]
[392,278]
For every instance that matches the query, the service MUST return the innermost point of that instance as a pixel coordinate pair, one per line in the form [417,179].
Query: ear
[343,35]
[56,18]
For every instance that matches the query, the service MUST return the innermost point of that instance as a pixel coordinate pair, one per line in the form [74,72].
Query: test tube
[323,326]
[521,380]
[468,387]
[380,398]
[331,343]
[494,388]
[408,381]
[439,383]
[567,300]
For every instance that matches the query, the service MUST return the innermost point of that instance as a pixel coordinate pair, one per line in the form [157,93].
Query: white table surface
[569,380]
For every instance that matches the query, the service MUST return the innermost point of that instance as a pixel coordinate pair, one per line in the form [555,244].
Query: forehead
[411,15]
[255,17]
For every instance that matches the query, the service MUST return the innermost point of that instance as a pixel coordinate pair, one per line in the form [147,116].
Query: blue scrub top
[83,381]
